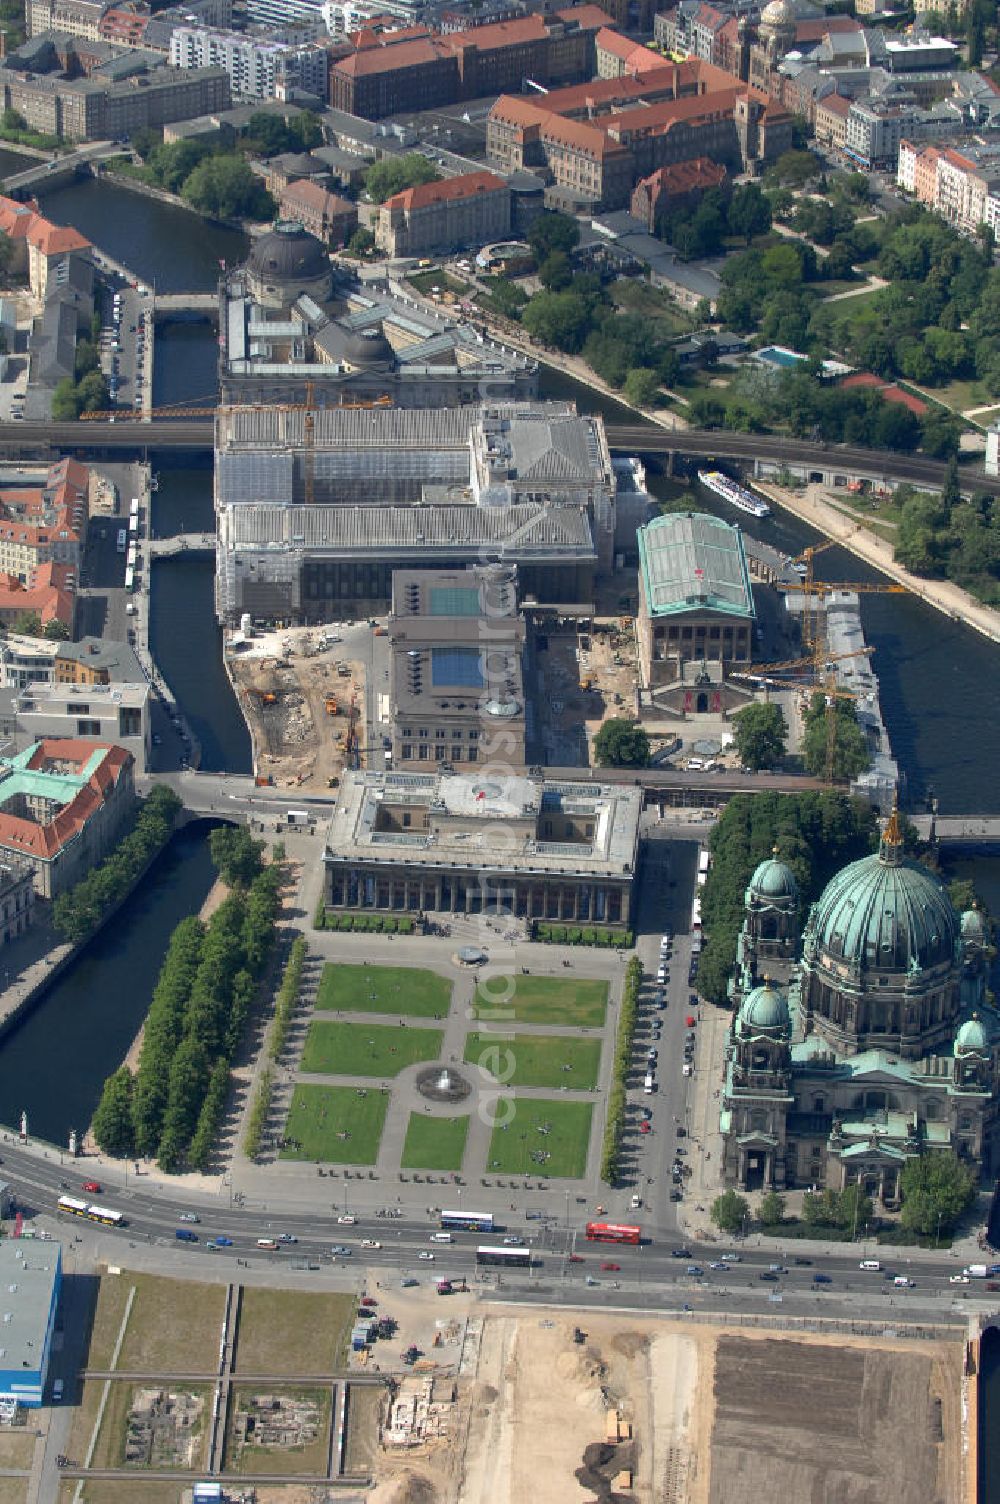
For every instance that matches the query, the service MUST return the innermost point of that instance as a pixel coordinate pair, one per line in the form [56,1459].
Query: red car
[645,1128]
[611,1268]
[576,1258]
[690,1020]
[92,1185]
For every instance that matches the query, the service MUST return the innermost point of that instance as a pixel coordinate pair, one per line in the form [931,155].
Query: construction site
[303,701]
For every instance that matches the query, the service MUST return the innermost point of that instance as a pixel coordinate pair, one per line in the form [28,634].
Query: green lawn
[434,1143]
[537,1059]
[340,1125]
[577,1001]
[426,281]
[543,1138]
[343,1049]
[403,990]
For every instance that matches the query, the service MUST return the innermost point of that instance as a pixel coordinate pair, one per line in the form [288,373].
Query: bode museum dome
[874,1041]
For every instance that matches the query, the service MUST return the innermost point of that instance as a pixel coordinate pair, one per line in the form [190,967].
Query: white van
[441,1237]
[695,765]
[266,1243]
[902,1282]
[648,1084]
[872,1264]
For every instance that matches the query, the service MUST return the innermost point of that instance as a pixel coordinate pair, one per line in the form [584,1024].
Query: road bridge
[185,302]
[53,172]
[979,831]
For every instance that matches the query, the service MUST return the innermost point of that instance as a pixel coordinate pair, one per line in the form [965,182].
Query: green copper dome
[764,1008]
[971,1036]
[886,914]
[772,879]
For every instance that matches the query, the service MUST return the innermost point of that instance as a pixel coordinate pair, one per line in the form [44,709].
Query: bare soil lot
[832,1422]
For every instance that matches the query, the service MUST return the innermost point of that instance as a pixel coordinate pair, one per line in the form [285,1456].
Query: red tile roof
[448,190]
[46,841]
[55,240]
[383,58]
[591,17]
[613,42]
[835,104]
[684,177]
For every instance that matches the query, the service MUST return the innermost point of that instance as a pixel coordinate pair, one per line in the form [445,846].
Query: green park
[407,991]
[544,1137]
[573,1002]
[335,1124]
[561,1060]
[434,1143]
[336,1048]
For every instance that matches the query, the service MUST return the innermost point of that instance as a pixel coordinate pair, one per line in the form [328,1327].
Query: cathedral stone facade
[875,1044]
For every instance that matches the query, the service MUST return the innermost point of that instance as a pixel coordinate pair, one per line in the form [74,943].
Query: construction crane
[821,666]
[811,589]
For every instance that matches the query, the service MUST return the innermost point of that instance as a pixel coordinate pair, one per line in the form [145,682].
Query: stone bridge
[180,543]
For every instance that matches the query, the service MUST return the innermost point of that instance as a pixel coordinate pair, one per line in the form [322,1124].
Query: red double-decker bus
[612,1232]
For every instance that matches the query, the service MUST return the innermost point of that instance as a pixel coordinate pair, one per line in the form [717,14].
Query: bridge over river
[827,460]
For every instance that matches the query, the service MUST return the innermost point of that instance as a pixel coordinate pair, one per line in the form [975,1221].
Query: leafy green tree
[92,393]
[226,187]
[748,213]
[936,1189]
[236,855]
[362,242]
[65,402]
[850,749]
[761,735]
[112,1123]
[558,318]
[55,630]
[855,1210]
[730,1211]
[642,386]
[771,1211]
[553,232]
[556,272]
[28,624]
[621,744]
[393,174]
[793,169]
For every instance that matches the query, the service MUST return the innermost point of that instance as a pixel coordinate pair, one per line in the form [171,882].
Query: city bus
[612,1232]
[122,540]
[704,862]
[76,1208]
[504,1258]
[130,578]
[134,509]
[468,1221]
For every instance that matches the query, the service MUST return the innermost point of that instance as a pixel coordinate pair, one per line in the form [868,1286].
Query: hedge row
[257,1121]
[386,924]
[617,1102]
[567,934]
[288,993]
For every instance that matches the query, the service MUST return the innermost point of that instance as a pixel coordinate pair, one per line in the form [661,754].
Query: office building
[483,842]
[456,641]
[256,68]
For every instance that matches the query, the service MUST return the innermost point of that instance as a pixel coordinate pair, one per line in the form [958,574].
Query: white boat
[737,496]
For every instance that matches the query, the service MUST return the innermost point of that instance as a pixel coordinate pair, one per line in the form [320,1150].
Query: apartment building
[43,525]
[17,899]
[963,186]
[257,68]
[874,132]
[471,209]
[80,18]
[830,121]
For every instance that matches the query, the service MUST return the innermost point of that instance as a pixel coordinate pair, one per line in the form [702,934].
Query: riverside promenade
[811,507]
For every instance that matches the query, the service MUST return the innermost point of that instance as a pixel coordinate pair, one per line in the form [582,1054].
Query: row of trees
[172,1107]
[77,912]
[288,993]
[614,1126]
[816,833]
[935,1188]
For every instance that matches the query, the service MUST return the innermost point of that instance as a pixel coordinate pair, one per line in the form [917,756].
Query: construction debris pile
[276,1420]
[422,1410]
[162,1428]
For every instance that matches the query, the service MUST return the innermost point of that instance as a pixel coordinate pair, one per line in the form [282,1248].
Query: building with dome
[876,1043]
[293,330]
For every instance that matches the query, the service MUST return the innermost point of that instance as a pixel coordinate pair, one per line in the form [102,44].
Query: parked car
[426,1255]
[189,1217]
[680,1253]
[609,1267]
